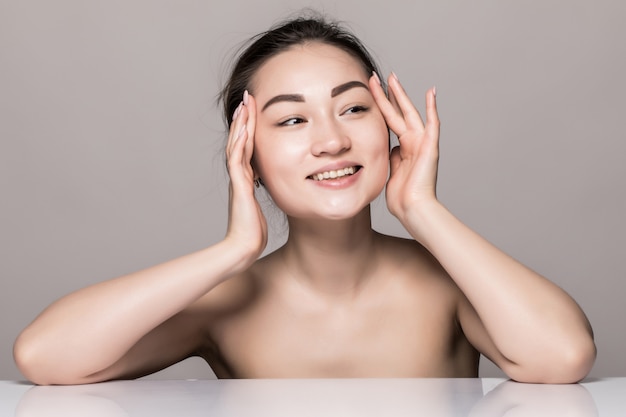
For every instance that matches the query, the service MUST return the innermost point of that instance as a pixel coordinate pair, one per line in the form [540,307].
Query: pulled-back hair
[280,38]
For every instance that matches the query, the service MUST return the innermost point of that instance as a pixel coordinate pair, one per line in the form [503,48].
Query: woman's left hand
[414,163]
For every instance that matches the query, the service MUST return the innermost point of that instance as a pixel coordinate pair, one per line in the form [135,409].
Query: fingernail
[394,75]
[245,97]
[434,91]
[243,129]
[376,77]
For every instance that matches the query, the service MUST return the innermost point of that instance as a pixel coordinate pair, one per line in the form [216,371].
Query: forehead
[304,66]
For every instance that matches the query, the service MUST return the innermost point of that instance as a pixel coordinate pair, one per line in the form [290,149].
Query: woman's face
[321,143]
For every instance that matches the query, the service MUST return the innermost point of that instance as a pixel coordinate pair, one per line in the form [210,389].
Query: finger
[235,126]
[394,102]
[376,89]
[237,152]
[237,141]
[411,116]
[393,117]
[243,142]
[250,105]
[432,115]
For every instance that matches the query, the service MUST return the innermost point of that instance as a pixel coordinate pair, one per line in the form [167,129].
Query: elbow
[568,365]
[25,358]
[33,362]
[41,365]
[578,361]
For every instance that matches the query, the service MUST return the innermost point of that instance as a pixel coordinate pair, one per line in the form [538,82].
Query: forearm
[530,320]
[90,329]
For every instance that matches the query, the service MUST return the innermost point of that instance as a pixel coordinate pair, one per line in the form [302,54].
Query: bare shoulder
[422,280]
[413,260]
[233,295]
[229,309]
[430,302]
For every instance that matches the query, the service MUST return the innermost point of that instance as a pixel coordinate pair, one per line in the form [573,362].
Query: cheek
[376,147]
[382,130]
[260,161]
[262,153]
[273,156]
[381,147]
[382,140]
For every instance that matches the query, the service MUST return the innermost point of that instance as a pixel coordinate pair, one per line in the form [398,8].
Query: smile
[327,175]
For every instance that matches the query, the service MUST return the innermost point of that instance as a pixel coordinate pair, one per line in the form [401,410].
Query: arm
[142,322]
[530,327]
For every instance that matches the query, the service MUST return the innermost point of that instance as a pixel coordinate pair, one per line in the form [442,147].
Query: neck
[331,257]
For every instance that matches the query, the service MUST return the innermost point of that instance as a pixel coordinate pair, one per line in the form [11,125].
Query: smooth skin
[338,299]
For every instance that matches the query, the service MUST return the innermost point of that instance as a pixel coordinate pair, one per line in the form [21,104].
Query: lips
[335,173]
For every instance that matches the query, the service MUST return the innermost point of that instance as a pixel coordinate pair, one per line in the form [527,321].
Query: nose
[330,139]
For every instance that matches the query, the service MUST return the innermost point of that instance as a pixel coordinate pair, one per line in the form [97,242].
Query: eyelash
[288,122]
[297,120]
[357,109]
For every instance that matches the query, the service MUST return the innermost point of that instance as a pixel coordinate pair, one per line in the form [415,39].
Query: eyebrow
[346,86]
[296,98]
[299,98]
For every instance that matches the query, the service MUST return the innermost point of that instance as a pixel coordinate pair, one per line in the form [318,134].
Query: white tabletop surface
[316,397]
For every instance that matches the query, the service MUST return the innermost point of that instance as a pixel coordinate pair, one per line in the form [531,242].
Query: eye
[356,109]
[291,121]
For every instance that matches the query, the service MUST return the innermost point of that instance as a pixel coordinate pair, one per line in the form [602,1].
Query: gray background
[110,141]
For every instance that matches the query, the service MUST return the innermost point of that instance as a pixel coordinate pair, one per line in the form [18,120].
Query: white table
[316,397]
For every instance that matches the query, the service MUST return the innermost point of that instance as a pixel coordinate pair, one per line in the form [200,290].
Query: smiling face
[321,143]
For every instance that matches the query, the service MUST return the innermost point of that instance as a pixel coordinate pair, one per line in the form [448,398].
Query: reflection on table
[316,397]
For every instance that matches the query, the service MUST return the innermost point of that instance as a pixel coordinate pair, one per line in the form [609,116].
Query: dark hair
[280,38]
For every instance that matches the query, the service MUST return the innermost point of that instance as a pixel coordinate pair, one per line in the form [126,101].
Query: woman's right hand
[247,227]
[71,343]
[57,350]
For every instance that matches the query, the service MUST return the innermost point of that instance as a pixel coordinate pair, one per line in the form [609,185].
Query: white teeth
[333,174]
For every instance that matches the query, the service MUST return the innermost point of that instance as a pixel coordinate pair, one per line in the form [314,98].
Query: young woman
[308,120]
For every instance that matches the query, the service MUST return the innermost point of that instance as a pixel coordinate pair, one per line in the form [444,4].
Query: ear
[258,181]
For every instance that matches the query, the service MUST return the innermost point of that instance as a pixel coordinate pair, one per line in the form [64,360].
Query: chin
[345,211]
[340,215]
[343,206]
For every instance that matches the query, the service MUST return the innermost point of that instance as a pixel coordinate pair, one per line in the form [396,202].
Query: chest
[395,335]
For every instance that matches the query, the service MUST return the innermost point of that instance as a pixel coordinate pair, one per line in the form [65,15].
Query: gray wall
[110,140]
